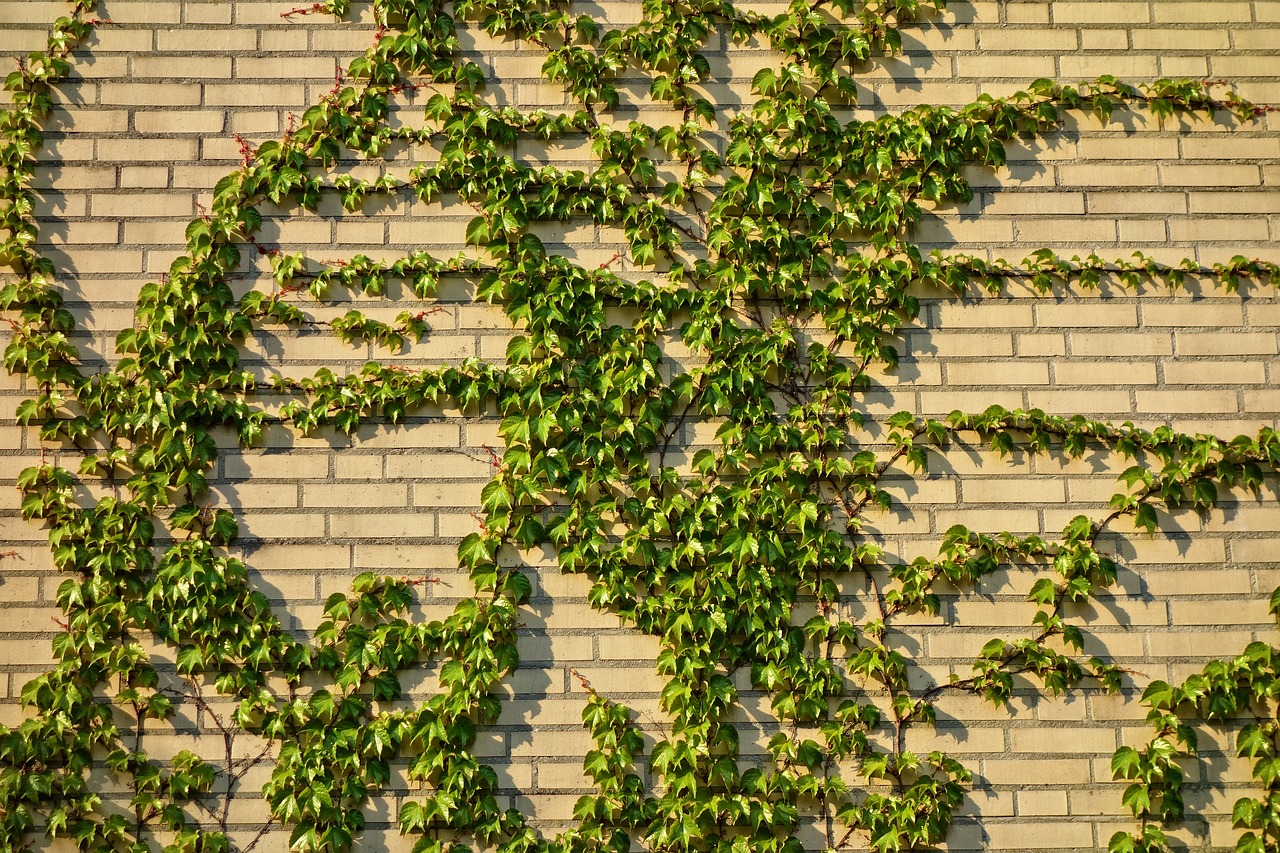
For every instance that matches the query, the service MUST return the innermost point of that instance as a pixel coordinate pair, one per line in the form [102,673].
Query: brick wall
[148,125]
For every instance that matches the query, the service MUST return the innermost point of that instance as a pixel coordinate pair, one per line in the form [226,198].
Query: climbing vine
[774,245]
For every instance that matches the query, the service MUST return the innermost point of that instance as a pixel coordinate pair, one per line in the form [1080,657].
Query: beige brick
[940,39]
[1164,550]
[1219,11]
[1184,66]
[69,149]
[354,495]
[449,232]
[285,67]
[122,40]
[172,232]
[1133,203]
[285,41]
[962,344]
[205,13]
[1216,582]
[529,66]
[288,586]
[1019,520]
[197,176]
[259,523]
[101,262]
[1074,740]
[559,648]
[942,93]
[104,67]
[181,67]
[1226,426]
[1122,343]
[947,230]
[1027,13]
[402,465]
[1187,401]
[225,149]
[1128,148]
[329,40]
[275,465]
[1264,312]
[1182,314]
[150,94]
[370,233]
[19,589]
[255,122]
[629,647]
[1214,373]
[1258,92]
[1041,344]
[24,652]
[267,495]
[158,151]
[415,525]
[957,741]
[1039,490]
[1213,613]
[1013,203]
[982,315]
[1202,229]
[1088,66]
[231,94]
[153,121]
[145,12]
[1036,771]
[1108,12]
[221,40]
[447,494]
[1104,373]
[58,205]
[1142,231]
[1254,550]
[1099,39]
[149,204]
[140,177]
[295,229]
[1217,175]
[1014,39]
[1255,38]
[1010,175]
[1141,175]
[1006,373]
[438,558]
[1094,314]
[1100,802]
[620,680]
[347,466]
[995,66]
[946,402]
[1234,202]
[1256,400]
[74,233]
[83,121]
[38,12]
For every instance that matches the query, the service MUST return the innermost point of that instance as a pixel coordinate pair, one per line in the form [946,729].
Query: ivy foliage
[769,272]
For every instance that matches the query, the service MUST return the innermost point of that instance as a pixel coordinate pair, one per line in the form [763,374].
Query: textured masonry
[149,124]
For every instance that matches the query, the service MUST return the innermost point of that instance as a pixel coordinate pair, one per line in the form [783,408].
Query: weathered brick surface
[147,127]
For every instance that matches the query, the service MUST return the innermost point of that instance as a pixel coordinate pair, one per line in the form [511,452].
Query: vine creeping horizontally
[764,286]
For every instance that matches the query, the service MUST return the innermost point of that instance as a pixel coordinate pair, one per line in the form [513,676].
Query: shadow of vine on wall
[685,424]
